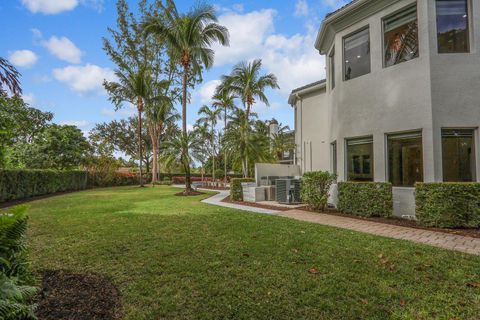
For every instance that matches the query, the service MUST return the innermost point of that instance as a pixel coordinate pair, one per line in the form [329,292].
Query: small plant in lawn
[316,187]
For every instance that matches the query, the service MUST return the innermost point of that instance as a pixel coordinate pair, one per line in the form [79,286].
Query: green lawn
[177,258]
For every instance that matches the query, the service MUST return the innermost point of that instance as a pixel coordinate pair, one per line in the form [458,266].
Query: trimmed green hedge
[112,179]
[316,188]
[448,205]
[236,193]
[21,184]
[366,199]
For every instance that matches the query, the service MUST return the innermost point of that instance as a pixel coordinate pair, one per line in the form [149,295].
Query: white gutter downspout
[301,131]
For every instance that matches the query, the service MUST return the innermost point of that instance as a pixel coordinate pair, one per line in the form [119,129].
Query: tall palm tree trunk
[225,151]
[154,137]
[140,154]
[188,184]
[213,153]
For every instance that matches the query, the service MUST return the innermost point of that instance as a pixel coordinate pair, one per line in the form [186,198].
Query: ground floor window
[334,157]
[360,159]
[405,159]
[458,155]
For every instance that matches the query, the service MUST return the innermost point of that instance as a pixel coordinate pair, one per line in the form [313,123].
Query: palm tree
[189,38]
[9,76]
[246,83]
[246,142]
[179,141]
[281,141]
[161,116]
[225,101]
[134,87]
[209,117]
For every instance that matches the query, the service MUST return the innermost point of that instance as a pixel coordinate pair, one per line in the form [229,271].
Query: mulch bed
[73,296]
[26,200]
[255,205]
[473,233]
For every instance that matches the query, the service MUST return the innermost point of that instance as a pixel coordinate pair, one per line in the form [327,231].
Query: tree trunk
[225,151]
[213,153]
[140,109]
[188,184]
[154,138]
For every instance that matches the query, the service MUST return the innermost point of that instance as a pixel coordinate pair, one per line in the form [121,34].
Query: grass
[177,258]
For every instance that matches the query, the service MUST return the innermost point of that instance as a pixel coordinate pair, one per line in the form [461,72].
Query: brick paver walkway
[437,239]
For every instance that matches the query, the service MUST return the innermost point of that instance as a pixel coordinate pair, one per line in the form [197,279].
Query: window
[452,26]
[360,159]
[405,159]
[356,54]
[332,68]
[334,157]
[400,37]
[458,155]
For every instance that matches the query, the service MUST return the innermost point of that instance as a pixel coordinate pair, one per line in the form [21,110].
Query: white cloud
[301,8]
[29,98]
[207,91]
[23,58]
[49,6]
[59,6]
[63,48]
[84,79]
[293,59]
[76,123]
[247,33]
[335,4]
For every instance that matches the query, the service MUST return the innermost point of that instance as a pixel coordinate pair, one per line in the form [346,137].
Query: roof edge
[311,87]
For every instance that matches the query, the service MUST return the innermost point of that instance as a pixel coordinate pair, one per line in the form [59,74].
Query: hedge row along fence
[21,184]
[236,192]
[448,205]
[366,199]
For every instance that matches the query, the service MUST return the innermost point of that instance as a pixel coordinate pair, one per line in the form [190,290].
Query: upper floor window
[332,68]
[356,54]
[452,26]
[401,37]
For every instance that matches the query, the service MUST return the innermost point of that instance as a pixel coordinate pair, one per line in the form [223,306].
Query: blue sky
[57,47]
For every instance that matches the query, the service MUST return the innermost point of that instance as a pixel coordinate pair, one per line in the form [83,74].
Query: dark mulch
[26,200]
[74,296]
[474,233]
[189,193]
[255,205]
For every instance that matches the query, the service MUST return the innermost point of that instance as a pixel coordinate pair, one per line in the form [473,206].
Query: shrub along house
[401,102]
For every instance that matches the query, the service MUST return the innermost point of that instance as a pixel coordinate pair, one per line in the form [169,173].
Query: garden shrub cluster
[17,292]
[21,184]
[236,192]
[448,205]
[315,188]
[366,199]
[102,179]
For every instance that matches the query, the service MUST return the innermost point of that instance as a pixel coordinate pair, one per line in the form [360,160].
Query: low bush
[236,192]
[448,205]
[21,184]
[366,199]
[16,279]
[315,188]
[181,179]
[163,183]
[102,179]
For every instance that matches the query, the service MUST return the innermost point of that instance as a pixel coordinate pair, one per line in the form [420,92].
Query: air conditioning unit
[288,191]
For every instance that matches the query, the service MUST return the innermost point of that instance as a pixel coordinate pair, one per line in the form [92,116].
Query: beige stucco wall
[312,131]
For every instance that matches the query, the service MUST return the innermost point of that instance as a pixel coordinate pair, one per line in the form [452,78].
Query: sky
[57,47]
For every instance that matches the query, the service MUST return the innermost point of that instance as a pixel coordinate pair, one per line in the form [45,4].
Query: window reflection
[405,159]
[458,155]
[357,54]
[452,26]
[360,159]
[401,37]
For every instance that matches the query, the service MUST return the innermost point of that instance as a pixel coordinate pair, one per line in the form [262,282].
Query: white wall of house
[426,94]
[312,130]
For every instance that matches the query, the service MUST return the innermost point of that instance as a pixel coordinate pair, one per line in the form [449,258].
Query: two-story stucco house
[401,100]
